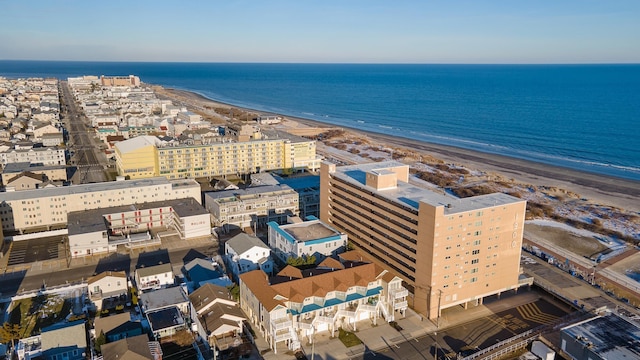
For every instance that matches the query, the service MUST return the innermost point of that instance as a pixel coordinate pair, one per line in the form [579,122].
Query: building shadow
[193,254]
[11,283]
[114,262]
[152,258]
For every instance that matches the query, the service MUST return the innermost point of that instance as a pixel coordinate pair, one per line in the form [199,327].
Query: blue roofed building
[201,271]
[305,238]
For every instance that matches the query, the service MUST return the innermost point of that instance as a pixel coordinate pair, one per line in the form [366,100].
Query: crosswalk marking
[533,313]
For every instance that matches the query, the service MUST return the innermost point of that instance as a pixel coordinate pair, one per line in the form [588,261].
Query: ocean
[583,117]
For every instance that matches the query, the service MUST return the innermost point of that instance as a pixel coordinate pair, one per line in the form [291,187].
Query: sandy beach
[598,189]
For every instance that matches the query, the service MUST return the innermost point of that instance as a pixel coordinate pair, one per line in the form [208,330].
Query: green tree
[234,290]
[100,340]
[301,261]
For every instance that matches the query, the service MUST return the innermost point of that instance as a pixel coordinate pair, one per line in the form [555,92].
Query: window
[474,261]
[475,252]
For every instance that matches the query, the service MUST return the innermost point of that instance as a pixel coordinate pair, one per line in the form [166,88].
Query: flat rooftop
[611,337]
[248,193]
[306,231]
[165,318]
[91,188]
[27,166]
[412,196]
[89,221]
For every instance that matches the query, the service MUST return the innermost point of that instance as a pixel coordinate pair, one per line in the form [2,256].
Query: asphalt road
[12,283]
[89,165]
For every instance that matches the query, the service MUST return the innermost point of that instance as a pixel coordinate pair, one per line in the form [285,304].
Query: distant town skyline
[360,31]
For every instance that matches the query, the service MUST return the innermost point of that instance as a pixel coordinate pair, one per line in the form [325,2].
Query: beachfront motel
[449,251]
[148,156]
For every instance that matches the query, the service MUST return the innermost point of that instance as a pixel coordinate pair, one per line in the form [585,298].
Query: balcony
[366,307]
[323,319]
[400,305]
[282,335]
[281,323]
[401,293]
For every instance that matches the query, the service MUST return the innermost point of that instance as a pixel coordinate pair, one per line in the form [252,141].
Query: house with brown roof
[217,317]
[318,300]
[116,327]
[25,181]
[132,348]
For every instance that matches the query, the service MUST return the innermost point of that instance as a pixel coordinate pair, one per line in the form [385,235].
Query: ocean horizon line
[568,115]
[329,63]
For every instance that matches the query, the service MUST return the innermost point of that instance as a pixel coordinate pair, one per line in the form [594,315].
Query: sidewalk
[383,336]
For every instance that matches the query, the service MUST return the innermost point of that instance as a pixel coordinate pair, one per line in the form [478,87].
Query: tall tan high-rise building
[449,251]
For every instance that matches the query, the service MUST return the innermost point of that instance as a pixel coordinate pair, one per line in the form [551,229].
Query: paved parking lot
[29,251]
[492,329]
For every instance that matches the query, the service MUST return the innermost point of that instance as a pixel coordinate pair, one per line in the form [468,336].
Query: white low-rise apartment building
[44,156]
[300,306]
[305,238]
[42,209]
[102,230]
[252,207]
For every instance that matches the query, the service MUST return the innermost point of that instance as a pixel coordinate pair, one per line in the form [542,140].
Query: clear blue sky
[362,31]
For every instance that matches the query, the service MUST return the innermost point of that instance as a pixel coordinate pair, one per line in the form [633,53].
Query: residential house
[245,252]
[67,340]
[132,348]
[106,286]
[302,304]
[305,238]
[25,181]
[44,128]
[200,271]
[217,317]
[154,277]
[116,327]
[52,139]
[166,321]
[163,298]
[51,172]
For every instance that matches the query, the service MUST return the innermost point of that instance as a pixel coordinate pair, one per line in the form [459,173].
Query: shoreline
[598,188]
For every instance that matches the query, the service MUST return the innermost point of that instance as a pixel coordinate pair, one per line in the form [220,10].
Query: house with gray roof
[163,298]
[245,252]
[154,277]
[65,341]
